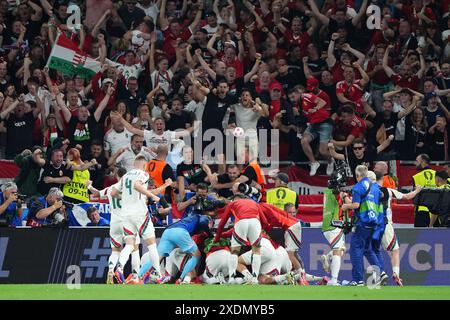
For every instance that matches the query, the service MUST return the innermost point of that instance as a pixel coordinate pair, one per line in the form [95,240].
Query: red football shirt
[352,92]
[356,128]
[170,41]
[309,101]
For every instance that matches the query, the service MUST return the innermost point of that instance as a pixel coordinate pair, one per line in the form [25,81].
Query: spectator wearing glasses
[362,154]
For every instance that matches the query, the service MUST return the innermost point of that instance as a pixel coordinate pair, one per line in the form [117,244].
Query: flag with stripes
[68,59]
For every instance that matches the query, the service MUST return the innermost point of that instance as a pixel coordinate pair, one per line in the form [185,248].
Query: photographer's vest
[259,178]
[425,179]
[155,169]
[76,189]
[281,196]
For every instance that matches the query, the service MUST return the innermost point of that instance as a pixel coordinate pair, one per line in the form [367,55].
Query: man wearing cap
[434,108]
[10,205]
[281,194]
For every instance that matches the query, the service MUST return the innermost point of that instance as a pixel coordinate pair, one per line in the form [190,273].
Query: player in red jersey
[247,229]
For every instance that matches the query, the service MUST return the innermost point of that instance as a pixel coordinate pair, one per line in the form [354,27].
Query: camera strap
[367,192]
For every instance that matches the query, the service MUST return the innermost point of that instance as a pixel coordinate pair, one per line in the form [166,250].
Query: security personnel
[160,171]
[426,179]
[441,179]
[281,194]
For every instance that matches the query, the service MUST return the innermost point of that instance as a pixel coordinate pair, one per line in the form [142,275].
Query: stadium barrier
[53,255]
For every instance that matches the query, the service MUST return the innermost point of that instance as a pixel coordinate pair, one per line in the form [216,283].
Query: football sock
[335,267]
[396,270]
[280,279]
[247,275]
[113,259]
[125,254]
[189,266]
[310,277]
[256,264]
[135,261]
[232,265]
[212,280]
[154,258]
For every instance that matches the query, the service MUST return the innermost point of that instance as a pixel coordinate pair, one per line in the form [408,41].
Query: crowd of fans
[335,88]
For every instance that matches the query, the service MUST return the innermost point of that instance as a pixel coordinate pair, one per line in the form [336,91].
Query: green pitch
[202,292]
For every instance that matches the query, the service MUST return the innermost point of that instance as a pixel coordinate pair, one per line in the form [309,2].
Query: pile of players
[178,257]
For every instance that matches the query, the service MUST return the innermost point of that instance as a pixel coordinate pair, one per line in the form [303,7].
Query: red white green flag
[68,59]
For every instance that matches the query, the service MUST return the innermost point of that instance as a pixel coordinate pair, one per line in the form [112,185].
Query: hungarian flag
[68,59]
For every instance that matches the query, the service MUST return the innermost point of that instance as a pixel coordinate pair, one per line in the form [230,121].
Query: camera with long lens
[58,218]
[203,204]
[21,197]
[249,191]
[338,179]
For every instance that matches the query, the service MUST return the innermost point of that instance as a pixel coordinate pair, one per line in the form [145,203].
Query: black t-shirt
[333,26]
[368,158]
[166,174]
[180,121]
[226,193]
[438,143]
[390,125]
[19,134]
[193,173]
[129,17]
[317,65]
[51,171]
[82,133]
[97,172]
[408,149]
[250,173]
[215,110]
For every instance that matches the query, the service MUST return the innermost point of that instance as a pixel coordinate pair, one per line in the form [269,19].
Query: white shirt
[153,140]
[114,140]
[197,108]
[246,118]
[163,78]
[115,204]
[134,203]
[131,71]
[126,159]
[151,11]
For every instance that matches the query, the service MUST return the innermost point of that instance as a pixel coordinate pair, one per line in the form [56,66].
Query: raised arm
[126,124]
[361,57]
[198,17]
[331,59]
[333,153]
[211,72]
[210,44]
[365,78]
[37,11]
[254,69]
[423,66]
[102,105]
[99,23]
[385,144]
[163,21]
[410,108]
[322,18]
[5,113]
[362,11]
[389,72]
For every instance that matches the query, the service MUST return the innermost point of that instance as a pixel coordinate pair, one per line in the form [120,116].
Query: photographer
[48,210]
[199,202]
[10,205]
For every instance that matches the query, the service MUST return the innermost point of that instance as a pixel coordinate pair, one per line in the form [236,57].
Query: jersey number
[116,203]
[128,186]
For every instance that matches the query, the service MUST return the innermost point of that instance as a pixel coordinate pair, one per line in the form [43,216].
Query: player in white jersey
[116,228]
[136,219]
[389,240]
[269,272]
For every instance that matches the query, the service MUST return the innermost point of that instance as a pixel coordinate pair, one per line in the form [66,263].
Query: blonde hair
[361,171]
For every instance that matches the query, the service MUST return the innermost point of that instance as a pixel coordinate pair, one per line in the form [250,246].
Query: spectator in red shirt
[351,90]
[173,29]
[348,127]
[404,78]
[294,35]
[380,82]
[319,127]
[312,85]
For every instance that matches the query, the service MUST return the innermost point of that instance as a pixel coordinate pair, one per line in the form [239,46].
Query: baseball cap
[311,84]
[283,177]
[430,95]
[107,80]
[230,43]
[275,86]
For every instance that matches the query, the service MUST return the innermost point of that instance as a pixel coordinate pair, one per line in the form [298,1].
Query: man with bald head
[160,171]
[383,168]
